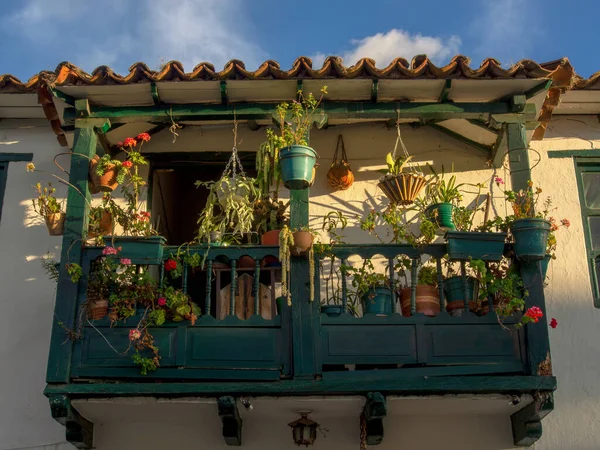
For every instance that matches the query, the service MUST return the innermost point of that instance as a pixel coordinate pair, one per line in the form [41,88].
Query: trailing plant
[50,266]
[364,278]
[270,214]
[394,217]
[106,163]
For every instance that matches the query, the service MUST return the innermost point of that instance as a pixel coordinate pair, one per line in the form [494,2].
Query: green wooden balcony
[251,341]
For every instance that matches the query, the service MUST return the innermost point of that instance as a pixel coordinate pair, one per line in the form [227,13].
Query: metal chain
[399,139]
[363,431]
[234,164]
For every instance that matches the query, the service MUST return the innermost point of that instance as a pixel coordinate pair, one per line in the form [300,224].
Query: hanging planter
[297,163]
[233,189]
[103,226]
[531,238]
[98,309]
[55,222]
[104,180]
[441,214]
[303,241]
[464,245]
[455,294]
[340,176]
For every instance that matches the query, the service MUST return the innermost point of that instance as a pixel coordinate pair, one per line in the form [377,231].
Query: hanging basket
[340,176]
[402,189]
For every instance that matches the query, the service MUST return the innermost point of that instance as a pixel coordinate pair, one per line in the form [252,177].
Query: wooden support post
[374,90]
[84,148]
[518,157]
[224,97]
[78,430]
[374,411]
[304,313]
[526,423]
[232,422]
[154,94]
[443,97]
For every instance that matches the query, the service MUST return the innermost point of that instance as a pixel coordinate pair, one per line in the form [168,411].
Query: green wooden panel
[16,157]
[96,351]
[233,348]
[371,344]
[471,344]
[179,374]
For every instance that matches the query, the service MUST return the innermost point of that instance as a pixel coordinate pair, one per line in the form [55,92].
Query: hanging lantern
[304,430]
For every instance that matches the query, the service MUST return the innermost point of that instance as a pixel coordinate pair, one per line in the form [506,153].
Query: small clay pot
[303,241]
[108,181]
[270,238]
[245,262]
[104,226]
[56,224]
[98,309]
[427,301]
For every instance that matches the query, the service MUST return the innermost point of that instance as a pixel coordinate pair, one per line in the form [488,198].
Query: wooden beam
[585,153]
[232,422]
[299,88]
[154,94]
[443,97]
[78,430]
[82,107]
[61,95]
[472,384]
[544,86]
[499,149]
[224,97]
[518,103]
[16,157]
[518,156]
[253,125]
[527,422]
[459,137]
[374,89]
[483,125]
[501,111]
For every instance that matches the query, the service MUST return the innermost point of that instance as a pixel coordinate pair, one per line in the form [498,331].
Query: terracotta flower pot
[108,181]
[427,301]
[104,226]
[56,224]
[245,262]
[270,238]
[303,240]
[98,309]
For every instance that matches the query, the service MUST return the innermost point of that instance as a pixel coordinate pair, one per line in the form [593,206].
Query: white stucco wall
[26,294]
[28,297]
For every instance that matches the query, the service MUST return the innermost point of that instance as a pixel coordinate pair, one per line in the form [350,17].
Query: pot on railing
[531,238]
[455,294]
[427,301]
[377,301]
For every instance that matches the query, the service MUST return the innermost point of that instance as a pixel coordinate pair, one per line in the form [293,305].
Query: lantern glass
[304,431]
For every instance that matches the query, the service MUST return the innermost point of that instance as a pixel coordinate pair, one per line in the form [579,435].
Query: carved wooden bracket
[527,423]
[232,422]
[374,412]
[78,430]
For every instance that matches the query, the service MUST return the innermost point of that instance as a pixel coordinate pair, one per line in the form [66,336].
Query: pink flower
[498,181]
[126,261]
[143,137]
[162,301]
[534,313]
[554,323]
[108,250]
[134,334]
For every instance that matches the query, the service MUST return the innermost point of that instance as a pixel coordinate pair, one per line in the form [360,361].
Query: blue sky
[38,34]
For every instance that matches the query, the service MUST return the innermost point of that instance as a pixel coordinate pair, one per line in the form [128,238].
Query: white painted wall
[27,296]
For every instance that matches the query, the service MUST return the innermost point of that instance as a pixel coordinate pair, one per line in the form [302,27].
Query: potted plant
[290,146]
[454,291]
[372,288]
[48,207]
[298,243]
[464,243]
[106,173]
[427,300]
[139,241]
[441,195]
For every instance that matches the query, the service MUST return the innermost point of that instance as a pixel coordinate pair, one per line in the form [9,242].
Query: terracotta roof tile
[592,83]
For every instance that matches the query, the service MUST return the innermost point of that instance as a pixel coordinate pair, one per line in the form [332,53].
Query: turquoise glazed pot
[377,301]
[332,310]
[140,250]
[297,163]
[545,263]
[463,245]
[531,238]
[441,214]
[453,289]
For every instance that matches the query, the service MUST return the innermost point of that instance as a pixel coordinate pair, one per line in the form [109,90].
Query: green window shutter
[3,171]
[588,181]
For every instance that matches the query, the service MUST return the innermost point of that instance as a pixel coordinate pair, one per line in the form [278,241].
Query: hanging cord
[399,140]
[340,145]
[234,164]
[174,126]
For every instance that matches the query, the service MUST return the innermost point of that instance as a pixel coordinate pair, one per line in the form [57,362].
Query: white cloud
[122,32]
[385,47]
[505,29]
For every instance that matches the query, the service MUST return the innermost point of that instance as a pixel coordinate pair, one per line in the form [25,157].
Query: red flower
[554,323]
[145,214]
[120,143]
[130,142]
[170,264]
[127,164]
[143,137]
[534,313]
[565,223]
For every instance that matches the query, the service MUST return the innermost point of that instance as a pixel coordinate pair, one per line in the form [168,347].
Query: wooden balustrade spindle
[256,287]
[490,296]
[440,280]
[233,287]
[209,269]
[392,284]
[413,286]
[184,278]
[343,262]
[465,285]
[161,275]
